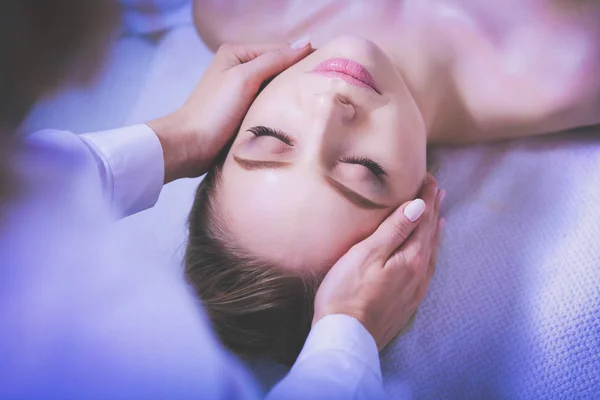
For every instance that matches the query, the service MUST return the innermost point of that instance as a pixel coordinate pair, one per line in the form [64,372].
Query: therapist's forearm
[182,152]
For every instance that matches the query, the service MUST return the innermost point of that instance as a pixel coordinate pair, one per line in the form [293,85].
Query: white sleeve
[131,166]
[339,361]
[86,311]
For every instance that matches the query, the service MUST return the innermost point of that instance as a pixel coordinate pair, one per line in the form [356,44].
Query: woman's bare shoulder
[527,73]
[269,21]
[507,68]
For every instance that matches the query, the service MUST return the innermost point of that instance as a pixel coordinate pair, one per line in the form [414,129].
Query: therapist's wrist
[182,151]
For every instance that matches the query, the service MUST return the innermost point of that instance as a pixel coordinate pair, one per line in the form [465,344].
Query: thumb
[273,62]
[397,227]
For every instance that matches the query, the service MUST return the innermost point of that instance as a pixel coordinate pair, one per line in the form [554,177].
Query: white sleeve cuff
[131,166]
[345,336]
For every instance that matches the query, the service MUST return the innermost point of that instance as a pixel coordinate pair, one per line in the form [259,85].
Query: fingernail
[442,196]
[442,223]
[414,210]
[300,43]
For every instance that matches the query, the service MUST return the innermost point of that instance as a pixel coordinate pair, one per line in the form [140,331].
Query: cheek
[335,237]
[277,91]
[402,149]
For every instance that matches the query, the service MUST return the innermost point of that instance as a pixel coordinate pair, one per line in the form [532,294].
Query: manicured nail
[300,43]
[414,210]
[442,196]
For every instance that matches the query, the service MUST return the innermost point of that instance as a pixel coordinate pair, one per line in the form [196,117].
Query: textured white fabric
[514,308]
[513,311]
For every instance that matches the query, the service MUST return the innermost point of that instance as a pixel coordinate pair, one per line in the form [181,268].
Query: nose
[331,117]
[332,108]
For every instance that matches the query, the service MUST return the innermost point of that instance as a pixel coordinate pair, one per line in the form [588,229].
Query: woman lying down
[334,144]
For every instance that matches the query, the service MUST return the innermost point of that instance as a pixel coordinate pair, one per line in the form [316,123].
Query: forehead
[291,219]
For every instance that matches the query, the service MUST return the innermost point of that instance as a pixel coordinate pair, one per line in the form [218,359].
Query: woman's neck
[461,71]
[423,58]
[428,84]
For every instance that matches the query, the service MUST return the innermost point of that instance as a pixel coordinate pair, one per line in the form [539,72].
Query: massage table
[513,311]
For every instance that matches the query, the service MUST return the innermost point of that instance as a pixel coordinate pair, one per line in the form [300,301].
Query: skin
[479,71]
[475,74]
[379,280]
[298,197]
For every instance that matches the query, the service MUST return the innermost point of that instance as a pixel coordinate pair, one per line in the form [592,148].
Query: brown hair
[257,309]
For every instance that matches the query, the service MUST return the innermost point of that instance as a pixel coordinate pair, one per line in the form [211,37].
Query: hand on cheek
[381,280]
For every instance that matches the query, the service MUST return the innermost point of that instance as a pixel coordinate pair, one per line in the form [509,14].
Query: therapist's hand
[194,135]
[382,280]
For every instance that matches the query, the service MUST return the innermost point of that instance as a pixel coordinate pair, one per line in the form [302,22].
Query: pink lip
[348,70]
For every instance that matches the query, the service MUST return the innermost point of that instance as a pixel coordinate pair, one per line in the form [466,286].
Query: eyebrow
[251,165]
[349,194]
[353,196]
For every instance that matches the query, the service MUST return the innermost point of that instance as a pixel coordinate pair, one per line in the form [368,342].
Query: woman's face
[322,158]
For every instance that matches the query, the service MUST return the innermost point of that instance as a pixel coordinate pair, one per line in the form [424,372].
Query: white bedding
[514,308]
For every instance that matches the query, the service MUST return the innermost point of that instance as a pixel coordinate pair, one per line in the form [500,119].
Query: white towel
[514,308]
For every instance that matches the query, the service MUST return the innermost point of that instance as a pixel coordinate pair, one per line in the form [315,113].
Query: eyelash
[375,168]
[265,131]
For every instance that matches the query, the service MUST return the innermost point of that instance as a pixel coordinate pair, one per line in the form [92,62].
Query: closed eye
[276,133]
[374,167]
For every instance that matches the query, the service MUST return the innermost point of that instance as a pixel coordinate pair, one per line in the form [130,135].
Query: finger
[396,228]
[436,249]
[419,243]
[423,234]
[231,55]
[429,185]
[273,62]
[437,210]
